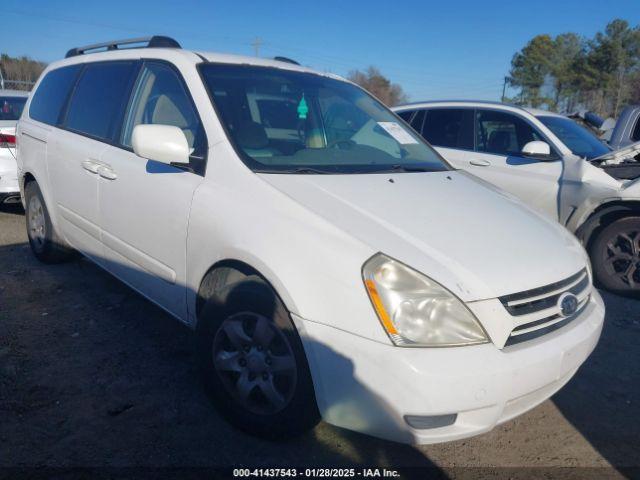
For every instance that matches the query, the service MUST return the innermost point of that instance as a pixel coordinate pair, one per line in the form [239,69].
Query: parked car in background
[615,133]
[331,262]
[11,104]
[555,166]
[627,128]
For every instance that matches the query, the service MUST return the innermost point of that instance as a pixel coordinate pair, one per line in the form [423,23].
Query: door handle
[106,172]
[480,163]
[91,166]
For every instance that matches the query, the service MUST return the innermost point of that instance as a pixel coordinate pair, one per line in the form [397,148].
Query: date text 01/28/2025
[315,472]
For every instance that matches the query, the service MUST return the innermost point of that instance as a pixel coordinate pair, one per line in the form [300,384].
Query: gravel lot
[93,375]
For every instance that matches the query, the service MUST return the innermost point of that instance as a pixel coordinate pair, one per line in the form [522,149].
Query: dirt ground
[93,375]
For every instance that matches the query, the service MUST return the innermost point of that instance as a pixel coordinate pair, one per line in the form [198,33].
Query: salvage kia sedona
[332,264]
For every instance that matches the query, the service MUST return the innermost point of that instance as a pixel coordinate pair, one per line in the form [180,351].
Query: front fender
[604,212]
[246,219]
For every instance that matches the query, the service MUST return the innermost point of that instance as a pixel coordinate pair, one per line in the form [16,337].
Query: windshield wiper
[406,168]
[307,170]
[291,170]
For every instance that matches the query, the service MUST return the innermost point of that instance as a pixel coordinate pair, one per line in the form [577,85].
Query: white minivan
[331,262]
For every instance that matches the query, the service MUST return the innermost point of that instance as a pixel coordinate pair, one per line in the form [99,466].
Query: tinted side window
[99,98]
[160,98]
[405,115]
[52,93]
[503,133]
[449,127]
[11,107]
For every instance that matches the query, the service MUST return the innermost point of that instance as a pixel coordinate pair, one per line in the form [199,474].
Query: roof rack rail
[286,60]
[156,41]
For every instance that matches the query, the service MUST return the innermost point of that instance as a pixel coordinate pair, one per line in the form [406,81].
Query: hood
[469,238]
[618,156]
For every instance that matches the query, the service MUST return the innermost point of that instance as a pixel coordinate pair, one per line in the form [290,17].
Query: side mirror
[162,143]
[538,150]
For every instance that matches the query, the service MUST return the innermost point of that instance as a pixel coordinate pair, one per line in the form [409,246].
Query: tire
[46,244]
[253,362]
[615,254]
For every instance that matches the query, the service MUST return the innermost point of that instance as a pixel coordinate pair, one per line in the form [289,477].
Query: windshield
[294,122]
[578,139]
[11,107]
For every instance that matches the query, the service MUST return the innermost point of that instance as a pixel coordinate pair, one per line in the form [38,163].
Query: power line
[409,76]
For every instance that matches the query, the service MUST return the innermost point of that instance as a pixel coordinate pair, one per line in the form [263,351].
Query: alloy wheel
[622,258]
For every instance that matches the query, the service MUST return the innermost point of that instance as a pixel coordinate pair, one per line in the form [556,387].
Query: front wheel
[253,361]
[615,254]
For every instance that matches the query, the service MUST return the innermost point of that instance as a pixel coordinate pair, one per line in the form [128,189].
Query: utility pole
[504,88]
[257,42]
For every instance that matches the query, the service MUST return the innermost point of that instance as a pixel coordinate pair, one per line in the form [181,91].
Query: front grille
[536,312]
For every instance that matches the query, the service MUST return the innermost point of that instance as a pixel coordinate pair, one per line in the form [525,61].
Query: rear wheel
[615,254]
[253,362]
[46,244]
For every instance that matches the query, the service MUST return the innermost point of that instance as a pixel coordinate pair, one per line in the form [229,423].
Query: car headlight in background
[415,310]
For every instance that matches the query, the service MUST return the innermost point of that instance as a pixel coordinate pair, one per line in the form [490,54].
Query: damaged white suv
[331,262]
[554,165]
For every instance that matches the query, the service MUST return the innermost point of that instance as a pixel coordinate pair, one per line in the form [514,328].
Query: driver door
[496,158]
[144,204]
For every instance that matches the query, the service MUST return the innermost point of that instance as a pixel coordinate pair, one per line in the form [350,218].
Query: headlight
[415,310]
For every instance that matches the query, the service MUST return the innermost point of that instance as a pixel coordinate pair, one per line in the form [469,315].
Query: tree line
[568,72]
[20,73]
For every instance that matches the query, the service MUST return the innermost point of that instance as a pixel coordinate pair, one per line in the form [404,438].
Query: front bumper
[370,387]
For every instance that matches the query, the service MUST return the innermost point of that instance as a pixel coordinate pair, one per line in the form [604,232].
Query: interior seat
[499,141]
[252,138]
[166,112]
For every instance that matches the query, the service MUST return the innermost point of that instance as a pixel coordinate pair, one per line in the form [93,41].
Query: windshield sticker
[399,134]
[302,108]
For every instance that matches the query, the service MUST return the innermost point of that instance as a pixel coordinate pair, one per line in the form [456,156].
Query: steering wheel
[348,143]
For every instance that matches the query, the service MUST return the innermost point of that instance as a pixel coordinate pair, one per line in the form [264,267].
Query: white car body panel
[147,200]
[75,188]
[537,181]
[8,167]
[309,236]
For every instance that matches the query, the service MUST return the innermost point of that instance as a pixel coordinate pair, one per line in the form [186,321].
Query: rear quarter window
[99,100]
[52,93]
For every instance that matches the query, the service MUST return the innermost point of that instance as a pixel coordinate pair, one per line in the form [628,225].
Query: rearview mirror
[537,149]
[162,143]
